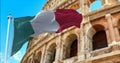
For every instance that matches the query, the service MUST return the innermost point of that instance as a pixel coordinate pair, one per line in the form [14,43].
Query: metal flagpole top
[7,37]
[10,16]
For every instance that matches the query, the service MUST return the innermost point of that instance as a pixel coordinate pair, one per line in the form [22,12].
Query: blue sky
[17,8]
[20,8]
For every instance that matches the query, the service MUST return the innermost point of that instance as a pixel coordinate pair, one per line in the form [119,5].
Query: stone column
[89,32]
[58,50]
[63,51]
[117,34]
[43,56]
[33,57]
[84,7]
[116,29]
[111,31]
[108,36]
[81,51]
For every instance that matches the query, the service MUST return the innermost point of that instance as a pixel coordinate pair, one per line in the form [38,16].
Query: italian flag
[45,21]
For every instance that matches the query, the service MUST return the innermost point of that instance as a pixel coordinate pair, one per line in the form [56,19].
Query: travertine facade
[96,41]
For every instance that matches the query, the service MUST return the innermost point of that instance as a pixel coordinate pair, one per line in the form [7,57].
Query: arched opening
[71,46]
[51,52]
[73,50]
[99,40]
[37,57]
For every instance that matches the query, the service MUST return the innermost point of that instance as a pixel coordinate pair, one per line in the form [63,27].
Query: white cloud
[18,56]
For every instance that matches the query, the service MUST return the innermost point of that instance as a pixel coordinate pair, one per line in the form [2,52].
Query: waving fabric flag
[44,21]
[22,31]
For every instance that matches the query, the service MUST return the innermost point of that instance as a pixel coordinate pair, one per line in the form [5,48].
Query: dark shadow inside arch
[71,44]
[99,40]
[73,50]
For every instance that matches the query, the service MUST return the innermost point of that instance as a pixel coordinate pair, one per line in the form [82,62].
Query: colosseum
[96,41]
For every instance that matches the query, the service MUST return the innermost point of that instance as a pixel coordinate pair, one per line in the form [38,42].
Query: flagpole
[7,38]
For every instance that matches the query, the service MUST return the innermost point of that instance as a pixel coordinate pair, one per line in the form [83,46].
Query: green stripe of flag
[22,32]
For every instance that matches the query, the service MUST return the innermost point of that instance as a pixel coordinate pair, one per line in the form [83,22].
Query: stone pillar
[84,7]
[44,53]
[63,51]
[117,34]
[33,57]
[108,36]
[57,56]
[116,29]
[80,44]
[58,50]
[89,32]
[81,51]
[109,2]
[111,31]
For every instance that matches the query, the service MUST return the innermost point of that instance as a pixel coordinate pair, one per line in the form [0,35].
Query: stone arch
[71,46]
[50,53]
[37,57]
[98,27]
[99,38]
[93,36]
